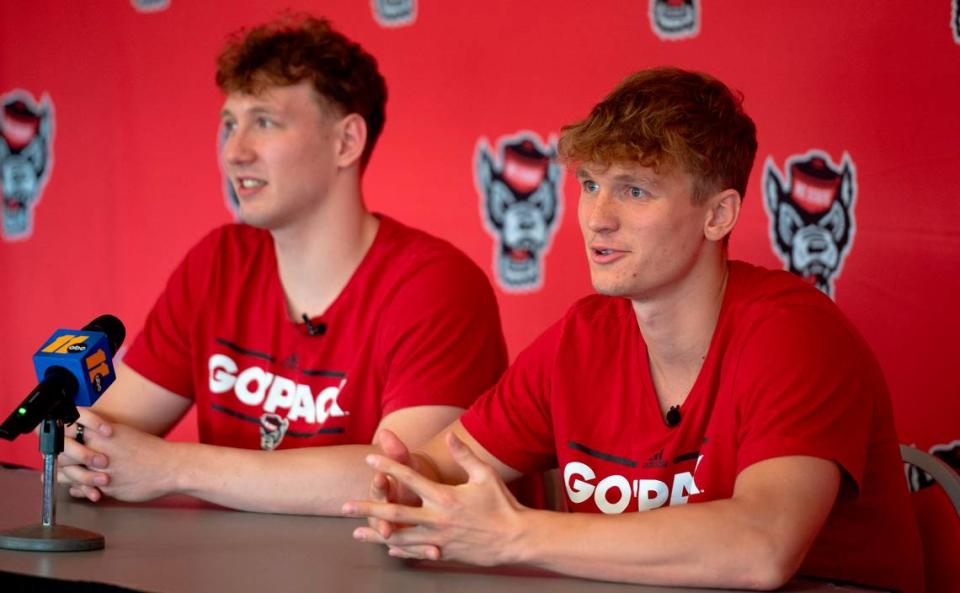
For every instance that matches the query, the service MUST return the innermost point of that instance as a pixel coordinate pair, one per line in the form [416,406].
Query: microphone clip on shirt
[314,329]
[672,418]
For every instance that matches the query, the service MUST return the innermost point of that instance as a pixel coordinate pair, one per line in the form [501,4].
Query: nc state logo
[675,19]
[26,158]
[949,453]
[520,204]
[273,428]
[230,198]
[394,13]
[811,215]
[150,5]
[955,21]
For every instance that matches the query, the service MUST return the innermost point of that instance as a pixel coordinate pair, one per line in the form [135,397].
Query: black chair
[938,516]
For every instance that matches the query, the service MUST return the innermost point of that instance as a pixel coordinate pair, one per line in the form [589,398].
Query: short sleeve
[513,421]
[440,337]
[162,350]
[801,387]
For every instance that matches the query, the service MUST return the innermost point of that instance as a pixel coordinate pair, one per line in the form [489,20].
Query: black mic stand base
[48,536]
[55,538]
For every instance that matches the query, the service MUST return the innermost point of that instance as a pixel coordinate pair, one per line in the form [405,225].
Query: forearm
[315,481]
[137,402]
[441,466]
[756,539]
[716,544]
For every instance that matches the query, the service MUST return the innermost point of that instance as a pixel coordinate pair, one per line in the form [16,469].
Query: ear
[351,134]
[483,166]
[723,210]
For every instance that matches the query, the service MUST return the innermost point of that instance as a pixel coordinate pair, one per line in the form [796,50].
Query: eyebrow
[627,178]
[252,111]
[640,179]
[259,110]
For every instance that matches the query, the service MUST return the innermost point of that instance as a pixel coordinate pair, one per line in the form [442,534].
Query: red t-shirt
[786,374]
[417,324]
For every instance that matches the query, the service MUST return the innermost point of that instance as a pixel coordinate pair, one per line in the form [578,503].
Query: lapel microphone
[314,329]
[673,416]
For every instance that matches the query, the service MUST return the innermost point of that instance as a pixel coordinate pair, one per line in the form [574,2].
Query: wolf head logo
[955,21]
[675,19]
[521,205]
[394,13]
[26,158]
[150,5]
[811,211]
[272,430]
[230,198]
[949,453]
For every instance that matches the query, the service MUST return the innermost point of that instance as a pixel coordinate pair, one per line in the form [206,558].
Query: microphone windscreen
[112,327]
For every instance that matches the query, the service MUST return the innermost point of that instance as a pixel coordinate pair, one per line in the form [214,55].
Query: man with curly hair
[304,331]
[716,424]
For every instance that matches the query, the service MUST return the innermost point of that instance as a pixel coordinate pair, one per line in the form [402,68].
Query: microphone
[74,368]
[673,416]
[314,329]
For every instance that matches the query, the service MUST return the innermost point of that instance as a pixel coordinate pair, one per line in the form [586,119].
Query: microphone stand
[48,536]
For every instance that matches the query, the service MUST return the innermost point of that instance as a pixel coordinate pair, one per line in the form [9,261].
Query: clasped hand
[114,460]
[478,521]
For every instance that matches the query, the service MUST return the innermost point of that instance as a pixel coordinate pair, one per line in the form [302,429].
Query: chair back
[938,516]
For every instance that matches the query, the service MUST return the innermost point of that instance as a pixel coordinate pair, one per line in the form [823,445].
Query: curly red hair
[670,117]
[299,47]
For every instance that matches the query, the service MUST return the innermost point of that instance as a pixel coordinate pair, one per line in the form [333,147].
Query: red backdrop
[132,179]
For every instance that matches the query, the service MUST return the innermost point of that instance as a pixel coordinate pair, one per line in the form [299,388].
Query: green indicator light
[21,411]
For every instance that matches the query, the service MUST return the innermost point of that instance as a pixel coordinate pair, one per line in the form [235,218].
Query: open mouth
[519,255]
[814,274]
[250,183]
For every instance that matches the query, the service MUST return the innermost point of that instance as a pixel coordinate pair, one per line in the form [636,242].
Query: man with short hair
[716,424]
[303,332]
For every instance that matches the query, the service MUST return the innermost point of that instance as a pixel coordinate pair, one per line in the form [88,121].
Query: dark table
[182,544]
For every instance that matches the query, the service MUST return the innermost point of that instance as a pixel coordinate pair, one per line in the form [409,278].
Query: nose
[601,215]
[237,148]
[526,221]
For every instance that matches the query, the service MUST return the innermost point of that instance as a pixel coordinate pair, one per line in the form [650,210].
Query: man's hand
[140,466]
[81,466]
[385,488]
[474,522]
